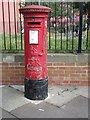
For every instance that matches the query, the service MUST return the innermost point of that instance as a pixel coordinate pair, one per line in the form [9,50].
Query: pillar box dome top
[34,9]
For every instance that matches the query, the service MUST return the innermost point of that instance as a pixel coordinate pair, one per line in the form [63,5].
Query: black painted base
[36,89]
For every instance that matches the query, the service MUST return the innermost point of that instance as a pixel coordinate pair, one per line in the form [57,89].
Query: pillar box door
[35,49]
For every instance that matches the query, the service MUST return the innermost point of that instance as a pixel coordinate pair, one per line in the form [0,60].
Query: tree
[87,10]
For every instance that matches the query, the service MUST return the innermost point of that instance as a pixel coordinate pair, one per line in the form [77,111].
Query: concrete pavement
[62,102]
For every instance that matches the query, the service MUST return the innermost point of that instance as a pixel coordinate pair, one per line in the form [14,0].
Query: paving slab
[1,95]
[11,99]
[89,108]
[89,92]
[2,86]
[60,96]
[18,87]
[0,113]
[78,106]
[57,95]
[81,90]
[42,110]
[6,114]
[78,90]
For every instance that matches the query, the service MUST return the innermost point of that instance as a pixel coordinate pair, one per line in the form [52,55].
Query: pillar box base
[36,89]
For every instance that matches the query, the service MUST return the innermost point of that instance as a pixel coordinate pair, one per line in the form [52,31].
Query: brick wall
[63,69]
[68,74]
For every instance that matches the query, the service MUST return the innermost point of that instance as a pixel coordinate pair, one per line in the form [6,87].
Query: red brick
[59,73]
[65,81]
[50,64]
[85,68]
[74,81]
[22,64]
[5,64]
[70,64]
[75,74]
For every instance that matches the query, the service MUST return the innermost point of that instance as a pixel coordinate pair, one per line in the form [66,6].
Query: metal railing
[68,29]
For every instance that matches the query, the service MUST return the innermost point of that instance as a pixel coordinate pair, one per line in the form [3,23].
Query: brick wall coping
[61,58]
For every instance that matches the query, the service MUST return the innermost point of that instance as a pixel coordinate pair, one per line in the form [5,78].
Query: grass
[66,43]
[14,46]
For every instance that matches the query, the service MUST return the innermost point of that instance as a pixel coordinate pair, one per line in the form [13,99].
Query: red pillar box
[35,40]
